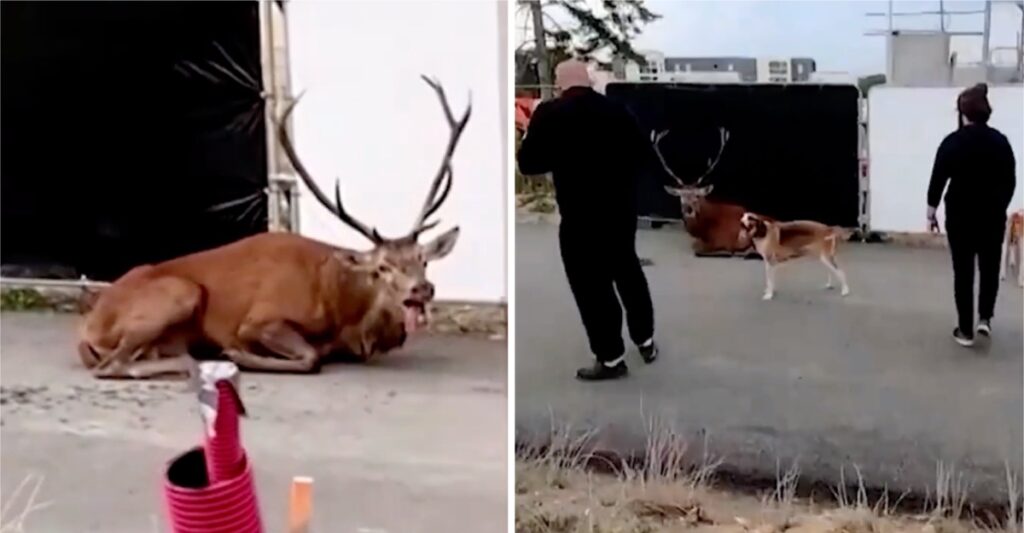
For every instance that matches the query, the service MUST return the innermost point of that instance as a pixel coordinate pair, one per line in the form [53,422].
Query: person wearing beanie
[572,136]
[978,164]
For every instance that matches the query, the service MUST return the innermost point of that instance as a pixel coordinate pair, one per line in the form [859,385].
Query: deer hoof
[828,286]
[846,291]
[767,296]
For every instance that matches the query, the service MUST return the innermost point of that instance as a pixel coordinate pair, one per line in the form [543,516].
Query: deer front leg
[281,339]
[176,367]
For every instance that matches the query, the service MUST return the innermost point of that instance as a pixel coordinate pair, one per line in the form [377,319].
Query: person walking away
[595,151]
[978,163]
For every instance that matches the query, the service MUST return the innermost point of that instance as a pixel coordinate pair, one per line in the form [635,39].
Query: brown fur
[302,297]
[714,225]
[1013,248]
[780,242]
[275,302]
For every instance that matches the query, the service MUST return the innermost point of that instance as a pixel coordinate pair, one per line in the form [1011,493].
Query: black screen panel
[791,154]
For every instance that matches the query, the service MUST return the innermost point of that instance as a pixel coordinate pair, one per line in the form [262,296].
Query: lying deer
[274,301]
[714,225]
[779,242]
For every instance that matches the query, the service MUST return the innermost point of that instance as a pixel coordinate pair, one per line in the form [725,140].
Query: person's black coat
[979,165]
[595,151]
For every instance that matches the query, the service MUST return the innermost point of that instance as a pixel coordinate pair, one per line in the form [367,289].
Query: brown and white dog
[778,242]
[1013,247]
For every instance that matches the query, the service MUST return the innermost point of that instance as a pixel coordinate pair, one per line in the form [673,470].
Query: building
[721,69]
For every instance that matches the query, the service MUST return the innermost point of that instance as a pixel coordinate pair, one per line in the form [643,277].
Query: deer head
[404,253]
[691,196]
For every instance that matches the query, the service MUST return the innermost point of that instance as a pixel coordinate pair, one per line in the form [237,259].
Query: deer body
[715,227]
[268,286]
[274,301]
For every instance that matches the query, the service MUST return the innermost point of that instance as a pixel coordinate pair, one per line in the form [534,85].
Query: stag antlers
[723,138]
[439,188]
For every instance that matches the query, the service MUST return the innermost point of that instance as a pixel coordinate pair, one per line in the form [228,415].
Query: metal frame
[282,185]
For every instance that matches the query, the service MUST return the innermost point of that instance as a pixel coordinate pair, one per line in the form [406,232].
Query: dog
[779,242]
[1013,248]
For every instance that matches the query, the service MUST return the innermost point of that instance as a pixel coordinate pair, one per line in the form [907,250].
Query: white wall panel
[368,118]
[905,127]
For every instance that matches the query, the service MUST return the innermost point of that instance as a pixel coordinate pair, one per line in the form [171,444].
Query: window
[778,67]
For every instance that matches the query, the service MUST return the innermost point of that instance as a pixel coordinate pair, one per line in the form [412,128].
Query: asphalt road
[872,380]
[414,442]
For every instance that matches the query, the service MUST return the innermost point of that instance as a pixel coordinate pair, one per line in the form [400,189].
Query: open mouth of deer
[416,315]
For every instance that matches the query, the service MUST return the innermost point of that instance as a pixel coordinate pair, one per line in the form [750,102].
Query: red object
[225,459]
[210,489]
[524,111]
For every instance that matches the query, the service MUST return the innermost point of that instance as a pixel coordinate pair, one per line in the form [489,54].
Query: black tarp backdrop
[791,154]
[119,134]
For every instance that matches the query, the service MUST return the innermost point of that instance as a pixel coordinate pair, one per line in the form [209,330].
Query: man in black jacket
[979,165]
[594,149]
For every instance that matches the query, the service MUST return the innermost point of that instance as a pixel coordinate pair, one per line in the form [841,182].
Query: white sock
[613,362]
[647,342]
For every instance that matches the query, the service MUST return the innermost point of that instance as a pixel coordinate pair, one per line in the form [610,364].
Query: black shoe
[649,352]
[960,338]
[984,327]
[601,372]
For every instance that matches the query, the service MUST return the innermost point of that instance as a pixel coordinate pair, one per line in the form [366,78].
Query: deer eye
[385,269]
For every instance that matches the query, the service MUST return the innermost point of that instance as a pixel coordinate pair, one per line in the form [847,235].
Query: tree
[592,30]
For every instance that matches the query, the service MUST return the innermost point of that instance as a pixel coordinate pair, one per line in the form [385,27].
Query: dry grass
[12,520]
[559,490]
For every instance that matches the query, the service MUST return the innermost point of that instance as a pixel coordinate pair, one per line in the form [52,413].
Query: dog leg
[825,261]
[1018,253]
[769,281]
[833,267]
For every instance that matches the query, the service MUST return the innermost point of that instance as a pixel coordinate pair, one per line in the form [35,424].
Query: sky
[829,31]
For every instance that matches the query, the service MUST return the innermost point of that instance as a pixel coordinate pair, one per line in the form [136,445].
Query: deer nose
[424,291]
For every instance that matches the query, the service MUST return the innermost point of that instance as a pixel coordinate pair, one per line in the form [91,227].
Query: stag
[714,225]
[275,302]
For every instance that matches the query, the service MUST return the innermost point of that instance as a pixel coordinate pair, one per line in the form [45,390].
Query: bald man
[595,152]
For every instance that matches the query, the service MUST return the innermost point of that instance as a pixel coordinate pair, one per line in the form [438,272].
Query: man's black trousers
[599,261]
[970,241]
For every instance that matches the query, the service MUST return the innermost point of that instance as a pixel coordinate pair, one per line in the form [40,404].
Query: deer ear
[707,190]
[441,246]
[674,191]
